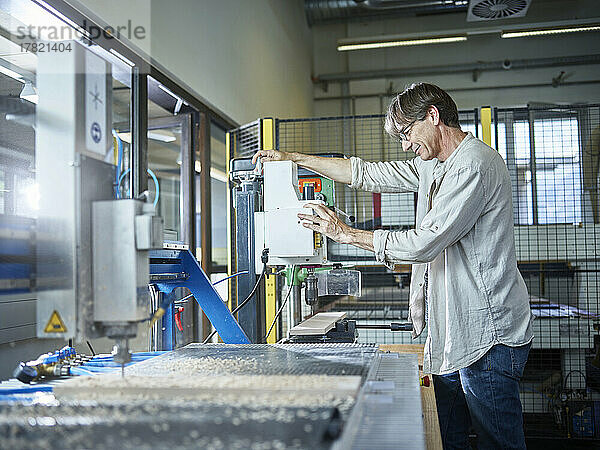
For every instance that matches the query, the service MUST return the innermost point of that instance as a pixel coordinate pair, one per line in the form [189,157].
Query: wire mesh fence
[552,157]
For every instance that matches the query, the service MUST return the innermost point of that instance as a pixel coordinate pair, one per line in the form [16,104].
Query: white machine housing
[278,227]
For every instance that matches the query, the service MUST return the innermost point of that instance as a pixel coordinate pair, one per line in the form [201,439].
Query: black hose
[91,349]
[241,305]
[394,326]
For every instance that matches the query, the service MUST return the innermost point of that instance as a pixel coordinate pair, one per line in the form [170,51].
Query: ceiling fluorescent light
[403,43]
[527,33]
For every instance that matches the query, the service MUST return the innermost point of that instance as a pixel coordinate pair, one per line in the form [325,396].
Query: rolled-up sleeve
[458,204]
[380,238]
[392,176]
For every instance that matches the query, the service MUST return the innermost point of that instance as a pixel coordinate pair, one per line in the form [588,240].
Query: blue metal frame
[168,334]
[170,269]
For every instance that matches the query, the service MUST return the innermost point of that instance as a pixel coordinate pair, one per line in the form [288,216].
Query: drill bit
[121,354]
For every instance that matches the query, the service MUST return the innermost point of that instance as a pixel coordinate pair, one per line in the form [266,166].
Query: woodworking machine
[92,245]
[268,200]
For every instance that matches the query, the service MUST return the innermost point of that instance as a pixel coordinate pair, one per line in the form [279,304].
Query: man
[465,284]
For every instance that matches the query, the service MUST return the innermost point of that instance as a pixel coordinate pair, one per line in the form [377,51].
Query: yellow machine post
[229,237]
[268,143]
[486,125]
[268,134]
[271,305]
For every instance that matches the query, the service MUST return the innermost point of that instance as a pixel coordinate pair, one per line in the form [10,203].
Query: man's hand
[271,155]
[326,223]
[338,169]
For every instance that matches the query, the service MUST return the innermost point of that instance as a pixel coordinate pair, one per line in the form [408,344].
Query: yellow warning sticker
[55,324]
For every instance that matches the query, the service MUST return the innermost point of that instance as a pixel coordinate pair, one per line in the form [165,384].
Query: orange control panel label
[316,182]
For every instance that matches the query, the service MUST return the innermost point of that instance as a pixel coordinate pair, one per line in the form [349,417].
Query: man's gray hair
[414,102]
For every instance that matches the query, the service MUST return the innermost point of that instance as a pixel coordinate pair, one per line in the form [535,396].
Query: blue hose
[134,356]
[111,357]
[80,371]
[21,399]
[119,160]
[99,364]
[156,185]
[96,370]
[156,353]
[25,390]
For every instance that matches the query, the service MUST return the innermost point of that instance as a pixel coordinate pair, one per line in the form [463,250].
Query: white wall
[249,59]
[482,48]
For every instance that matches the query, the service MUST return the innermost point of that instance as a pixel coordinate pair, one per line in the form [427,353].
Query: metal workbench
[386,413]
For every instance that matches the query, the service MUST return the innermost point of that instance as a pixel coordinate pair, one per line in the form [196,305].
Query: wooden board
[433,439]
[317,325]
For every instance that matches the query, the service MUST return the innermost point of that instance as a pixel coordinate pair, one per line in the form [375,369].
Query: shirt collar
[442,167]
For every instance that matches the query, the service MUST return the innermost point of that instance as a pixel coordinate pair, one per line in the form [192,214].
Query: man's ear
[434,115]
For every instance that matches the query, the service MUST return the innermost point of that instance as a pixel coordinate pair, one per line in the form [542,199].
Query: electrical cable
[230,276]
[154,178]
[119,160]
[282,305]
[569,374]
[215,283]
[241,305]
[156,186]
[251,294]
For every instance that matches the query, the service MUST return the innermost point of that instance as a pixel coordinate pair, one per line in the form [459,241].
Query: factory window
[165,160]
[547,190]
[219,195]
[558,170]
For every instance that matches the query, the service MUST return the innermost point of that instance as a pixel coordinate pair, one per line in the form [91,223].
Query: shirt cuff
[357,172]
[379,242]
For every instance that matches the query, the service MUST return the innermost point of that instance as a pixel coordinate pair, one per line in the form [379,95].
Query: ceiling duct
[331,11]
[496,9]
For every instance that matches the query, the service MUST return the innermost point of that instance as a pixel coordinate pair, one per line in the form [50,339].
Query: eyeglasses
[403,134]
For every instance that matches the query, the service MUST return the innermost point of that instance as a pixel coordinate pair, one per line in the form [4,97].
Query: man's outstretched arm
[338,169]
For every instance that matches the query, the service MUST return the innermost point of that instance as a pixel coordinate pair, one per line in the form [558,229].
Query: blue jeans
[485,395]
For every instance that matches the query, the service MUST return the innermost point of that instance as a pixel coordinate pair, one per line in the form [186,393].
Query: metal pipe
[330,11]
[295,307]
[477,88]
[139,133]
[205,207]
[458,68]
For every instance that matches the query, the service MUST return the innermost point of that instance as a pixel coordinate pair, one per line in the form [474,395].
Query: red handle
[178,317]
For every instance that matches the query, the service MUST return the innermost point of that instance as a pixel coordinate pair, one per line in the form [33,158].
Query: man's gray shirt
[464,234]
